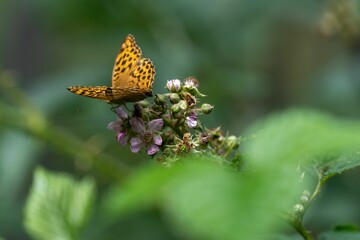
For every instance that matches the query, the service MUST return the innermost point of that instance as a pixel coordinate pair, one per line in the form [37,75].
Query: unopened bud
[144,103]
[232,142]
[159,99]
[304,199]
[298,208]
[174,85]
[175,108]
[206,108]
[183,105]
[306,193]
[174,98]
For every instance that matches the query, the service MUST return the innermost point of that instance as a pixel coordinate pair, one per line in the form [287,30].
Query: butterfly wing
[93,92]
[132,77]
[126,61]
[130,69]
[109,94]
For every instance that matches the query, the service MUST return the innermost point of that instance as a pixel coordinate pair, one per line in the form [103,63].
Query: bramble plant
[170,126]
[284,163]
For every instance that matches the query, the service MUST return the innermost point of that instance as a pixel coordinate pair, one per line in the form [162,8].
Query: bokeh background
[251,57]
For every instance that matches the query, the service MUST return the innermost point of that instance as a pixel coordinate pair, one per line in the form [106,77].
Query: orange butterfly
[132,77]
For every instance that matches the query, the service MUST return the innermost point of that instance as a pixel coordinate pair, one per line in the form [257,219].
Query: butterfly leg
[113,108]
[127,107]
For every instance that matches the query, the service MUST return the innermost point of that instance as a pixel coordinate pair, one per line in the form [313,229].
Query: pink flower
[148,135]
[191,120]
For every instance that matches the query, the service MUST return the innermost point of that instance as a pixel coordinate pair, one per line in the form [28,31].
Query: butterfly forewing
[126,61]
[132,77]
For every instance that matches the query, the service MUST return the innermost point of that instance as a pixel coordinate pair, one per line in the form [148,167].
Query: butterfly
[132,77]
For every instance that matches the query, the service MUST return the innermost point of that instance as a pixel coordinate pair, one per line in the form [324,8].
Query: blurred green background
[251,57]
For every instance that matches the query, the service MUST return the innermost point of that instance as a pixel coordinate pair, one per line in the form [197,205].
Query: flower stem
[173,125]
[302,231]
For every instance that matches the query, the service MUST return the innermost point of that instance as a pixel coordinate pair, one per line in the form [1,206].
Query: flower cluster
[170,126]
[135,131]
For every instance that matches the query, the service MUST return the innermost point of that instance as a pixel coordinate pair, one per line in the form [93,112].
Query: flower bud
[159,99]
[183,105]
[174,98]
[143,103]
[306,193]
[206,108]
[304,199]
[298,208]
[175,108]
[174,85]
[232,142]
[193,90]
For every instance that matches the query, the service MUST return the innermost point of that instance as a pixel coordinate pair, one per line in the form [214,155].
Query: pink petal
[121,113]
[135,145]
[116,125]
[152,149]
[158,140]
[191,120]
[173,85]
[156,124]
[122,138]
[137,124]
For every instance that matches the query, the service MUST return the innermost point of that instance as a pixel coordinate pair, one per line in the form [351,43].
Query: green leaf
[339,164]
[339,236]
[58,206]
[203,199]
[212,203]
[347,228]
[301,136]
[141,191]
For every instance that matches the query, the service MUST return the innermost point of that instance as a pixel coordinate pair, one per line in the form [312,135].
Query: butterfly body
[132,77]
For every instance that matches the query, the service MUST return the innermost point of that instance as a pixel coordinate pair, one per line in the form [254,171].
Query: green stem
[173,126]
[317,189]
[302,231]
[297,223]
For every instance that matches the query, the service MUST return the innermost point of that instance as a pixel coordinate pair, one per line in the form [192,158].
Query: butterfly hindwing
[143,75]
